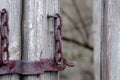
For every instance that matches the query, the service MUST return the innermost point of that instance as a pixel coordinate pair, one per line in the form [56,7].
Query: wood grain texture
[110,53]
[14,9]
[38,34]
[97,36]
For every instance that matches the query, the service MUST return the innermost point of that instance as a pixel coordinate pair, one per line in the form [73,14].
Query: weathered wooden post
[14,8]
[110,40]
[38,33]
[30,30]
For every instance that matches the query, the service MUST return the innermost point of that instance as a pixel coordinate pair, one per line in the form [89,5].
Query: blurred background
[78,39]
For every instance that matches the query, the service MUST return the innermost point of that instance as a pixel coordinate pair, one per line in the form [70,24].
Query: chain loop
[58,56]
[4,33]
[58,42]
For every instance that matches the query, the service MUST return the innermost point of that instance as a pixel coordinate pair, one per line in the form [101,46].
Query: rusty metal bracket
[58,63]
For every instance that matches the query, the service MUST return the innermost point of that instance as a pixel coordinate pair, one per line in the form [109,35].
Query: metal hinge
[58,63]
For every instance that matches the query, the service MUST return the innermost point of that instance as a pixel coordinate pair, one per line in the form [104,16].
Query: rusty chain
[58,44]
[4,32]
[58,56]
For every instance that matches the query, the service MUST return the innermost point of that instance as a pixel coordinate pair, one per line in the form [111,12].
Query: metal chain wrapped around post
[4,32]
[58,63]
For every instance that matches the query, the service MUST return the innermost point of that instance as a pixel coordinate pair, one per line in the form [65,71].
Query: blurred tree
[77,30]
[81,29]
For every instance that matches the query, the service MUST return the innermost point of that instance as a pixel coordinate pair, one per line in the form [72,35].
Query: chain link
[4,34]
[58,42]
[58,55]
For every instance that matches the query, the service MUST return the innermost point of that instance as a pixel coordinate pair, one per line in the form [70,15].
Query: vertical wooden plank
[38,34]
[111,40]
[97,14]
[14,9]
